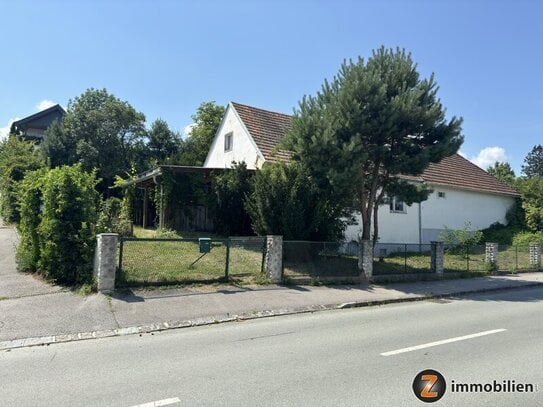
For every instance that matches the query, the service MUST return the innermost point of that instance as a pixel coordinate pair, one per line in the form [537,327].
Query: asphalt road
[332,358]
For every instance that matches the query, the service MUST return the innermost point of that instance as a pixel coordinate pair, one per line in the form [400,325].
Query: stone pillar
[274,258]
[105,261]
[535,256]
[491,256]
[437,257]
[365,259]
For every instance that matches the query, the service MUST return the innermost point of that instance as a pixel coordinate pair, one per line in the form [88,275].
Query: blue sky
[166,57]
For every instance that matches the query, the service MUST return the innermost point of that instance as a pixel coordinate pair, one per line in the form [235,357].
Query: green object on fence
[205,244]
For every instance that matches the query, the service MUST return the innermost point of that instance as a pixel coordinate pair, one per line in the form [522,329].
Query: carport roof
[148,178]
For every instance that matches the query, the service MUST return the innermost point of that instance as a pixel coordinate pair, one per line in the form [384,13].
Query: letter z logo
[430,380]
[429,386]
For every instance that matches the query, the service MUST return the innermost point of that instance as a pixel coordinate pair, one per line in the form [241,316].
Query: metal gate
[154,261]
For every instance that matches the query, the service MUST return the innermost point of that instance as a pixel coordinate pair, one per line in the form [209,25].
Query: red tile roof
[268,128]
[456,171]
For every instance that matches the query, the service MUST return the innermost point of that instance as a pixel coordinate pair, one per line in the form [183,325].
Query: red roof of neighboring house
[268,128]
[456,171]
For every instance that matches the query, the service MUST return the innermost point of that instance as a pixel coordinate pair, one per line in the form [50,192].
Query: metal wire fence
[144,261]
[318,259]
[169,261]
[401,258]
[332,259]
[514,258]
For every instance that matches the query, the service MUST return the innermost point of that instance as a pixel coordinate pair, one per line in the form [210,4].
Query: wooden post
[145,205]
[162,208]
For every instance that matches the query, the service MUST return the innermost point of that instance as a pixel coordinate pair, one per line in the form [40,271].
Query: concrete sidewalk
[33,312]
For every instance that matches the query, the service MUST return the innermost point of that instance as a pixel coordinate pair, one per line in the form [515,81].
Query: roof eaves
[475,189]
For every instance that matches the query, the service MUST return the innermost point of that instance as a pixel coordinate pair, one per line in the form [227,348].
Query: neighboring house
[461,190]
[32,128]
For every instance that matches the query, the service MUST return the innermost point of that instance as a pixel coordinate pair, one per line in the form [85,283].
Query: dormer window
[228,141]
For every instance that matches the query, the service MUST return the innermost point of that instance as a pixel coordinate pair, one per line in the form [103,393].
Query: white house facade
[462,192]
[446,207]
[233,143]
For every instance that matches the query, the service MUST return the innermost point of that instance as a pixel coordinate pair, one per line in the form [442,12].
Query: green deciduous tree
[532,202]
[377,119]
[503,172]
[206,122]
[533,163]
[17,157]
[99,131]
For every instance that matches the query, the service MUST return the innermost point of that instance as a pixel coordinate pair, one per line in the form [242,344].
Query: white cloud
[4,131]
[488,156]
[44,104]
[187,130]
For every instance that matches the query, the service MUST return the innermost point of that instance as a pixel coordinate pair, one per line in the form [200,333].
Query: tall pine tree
[377,119]
[533,166]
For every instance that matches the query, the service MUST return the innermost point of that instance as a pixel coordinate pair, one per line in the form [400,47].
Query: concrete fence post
[105,261]
[437,257]
[274,258]
[535,256]
[365,259]
[491,255]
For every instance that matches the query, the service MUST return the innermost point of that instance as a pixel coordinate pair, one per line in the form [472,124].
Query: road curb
[163,326]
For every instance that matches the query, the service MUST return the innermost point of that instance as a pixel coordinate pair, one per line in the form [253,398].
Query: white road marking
[443,342]
[159,403]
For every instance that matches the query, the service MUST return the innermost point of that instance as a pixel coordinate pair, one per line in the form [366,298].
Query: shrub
[67,229]
[17,157]
[231,188]
[166,234]
[286,202]
[499,233]
[30,205]
[459,238]
[111,220]
[525,238]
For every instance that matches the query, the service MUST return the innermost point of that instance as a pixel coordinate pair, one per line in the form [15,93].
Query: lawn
[178,261]
[172,260]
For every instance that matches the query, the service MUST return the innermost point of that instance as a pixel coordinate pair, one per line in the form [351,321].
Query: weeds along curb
[158,327]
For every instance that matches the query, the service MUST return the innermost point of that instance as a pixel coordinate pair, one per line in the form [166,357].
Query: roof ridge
[40,113]
[258,108]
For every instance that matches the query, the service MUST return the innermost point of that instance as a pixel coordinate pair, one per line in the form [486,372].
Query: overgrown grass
[177,262]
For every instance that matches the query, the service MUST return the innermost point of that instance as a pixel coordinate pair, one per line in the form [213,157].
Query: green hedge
[59,224]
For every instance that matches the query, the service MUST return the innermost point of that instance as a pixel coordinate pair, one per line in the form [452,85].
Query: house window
[396,205]
[441,195]
[228,141]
